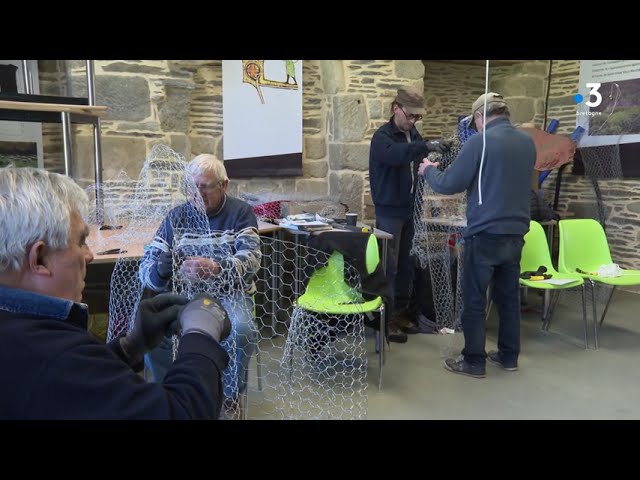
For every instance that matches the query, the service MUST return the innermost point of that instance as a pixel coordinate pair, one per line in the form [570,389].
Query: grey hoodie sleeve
[458,177]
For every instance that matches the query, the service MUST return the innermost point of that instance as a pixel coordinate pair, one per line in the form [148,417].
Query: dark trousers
[400,265]
[490,257]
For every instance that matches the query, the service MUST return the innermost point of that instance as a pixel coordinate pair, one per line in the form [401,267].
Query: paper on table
[558,281]
[300,225]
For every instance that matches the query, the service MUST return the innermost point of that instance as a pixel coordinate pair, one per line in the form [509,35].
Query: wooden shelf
[29,111]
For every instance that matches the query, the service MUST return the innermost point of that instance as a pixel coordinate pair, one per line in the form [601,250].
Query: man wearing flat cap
[396,150]
[494,167]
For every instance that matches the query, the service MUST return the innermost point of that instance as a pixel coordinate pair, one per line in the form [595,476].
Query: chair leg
[606,307]
[381,337]
[244,406]
[546,306]
[555,298]
[489,305]
[259,369]
[584,318]
[595,316]
[489,295]
[292,339]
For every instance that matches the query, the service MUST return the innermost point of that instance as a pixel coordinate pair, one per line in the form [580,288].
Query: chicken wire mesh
[603,169]
[438,223]
[286,376]
[114,210]
[311,361]
[156,192]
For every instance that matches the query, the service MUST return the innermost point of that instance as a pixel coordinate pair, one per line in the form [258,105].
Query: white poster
[20,142]
[261,108]
[608,101]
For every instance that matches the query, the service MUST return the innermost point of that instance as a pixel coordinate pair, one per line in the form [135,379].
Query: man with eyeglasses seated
[396,151]
[212,241]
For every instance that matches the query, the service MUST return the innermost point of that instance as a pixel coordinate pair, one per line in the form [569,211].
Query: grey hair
[492,110]
[35,205]
[207,163]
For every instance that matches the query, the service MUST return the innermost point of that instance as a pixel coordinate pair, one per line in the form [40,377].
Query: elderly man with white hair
[54,368]
[209,244]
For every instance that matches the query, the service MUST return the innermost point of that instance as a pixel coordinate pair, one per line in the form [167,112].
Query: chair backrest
[331,280]
[583,244]
[536,249]
[373,254]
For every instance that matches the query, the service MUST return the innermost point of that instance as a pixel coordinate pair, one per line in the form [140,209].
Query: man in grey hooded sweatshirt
[495,169]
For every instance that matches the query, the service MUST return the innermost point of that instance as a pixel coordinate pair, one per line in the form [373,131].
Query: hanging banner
[262,117]
[608,101]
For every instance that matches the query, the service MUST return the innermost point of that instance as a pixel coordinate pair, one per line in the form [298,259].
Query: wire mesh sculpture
[602,167]
[438,223]
[155,193]
[264,298]
[323,369]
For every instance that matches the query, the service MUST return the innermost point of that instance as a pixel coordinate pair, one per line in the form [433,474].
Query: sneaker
[459,365]
[494,357]
[396,335]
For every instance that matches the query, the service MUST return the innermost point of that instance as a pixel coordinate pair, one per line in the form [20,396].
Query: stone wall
[449,89]
[621,197]
[179,103]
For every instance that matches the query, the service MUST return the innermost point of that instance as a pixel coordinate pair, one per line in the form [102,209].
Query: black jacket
[390,169]
[54,369]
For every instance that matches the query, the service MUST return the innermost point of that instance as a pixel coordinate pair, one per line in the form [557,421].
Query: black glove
[439,146]
[204,314]
[164,266]
[156,317]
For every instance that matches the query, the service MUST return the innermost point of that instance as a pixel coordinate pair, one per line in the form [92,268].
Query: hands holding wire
[425,164]
[199,268]
[439,146]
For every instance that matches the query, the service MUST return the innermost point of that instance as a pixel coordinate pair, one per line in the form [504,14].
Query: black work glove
[439,146]
[164,265]
[156,317]
[204,314]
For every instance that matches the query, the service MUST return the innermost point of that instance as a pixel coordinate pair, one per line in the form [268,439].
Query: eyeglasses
[207,187]
[410,116]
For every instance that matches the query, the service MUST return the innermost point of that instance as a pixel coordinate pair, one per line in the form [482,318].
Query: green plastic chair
[329,293]
[584,247]
[536,254]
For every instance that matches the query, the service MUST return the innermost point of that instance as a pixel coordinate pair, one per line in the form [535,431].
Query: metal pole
[26,77]
[66,143]
[97,143]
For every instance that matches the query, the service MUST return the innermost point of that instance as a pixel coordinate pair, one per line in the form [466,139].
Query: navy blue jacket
[54,369]
[510,156]
[390,170]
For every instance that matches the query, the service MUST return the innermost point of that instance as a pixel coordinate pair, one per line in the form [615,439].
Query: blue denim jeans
[487,258]
[243,334]
[400,265]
